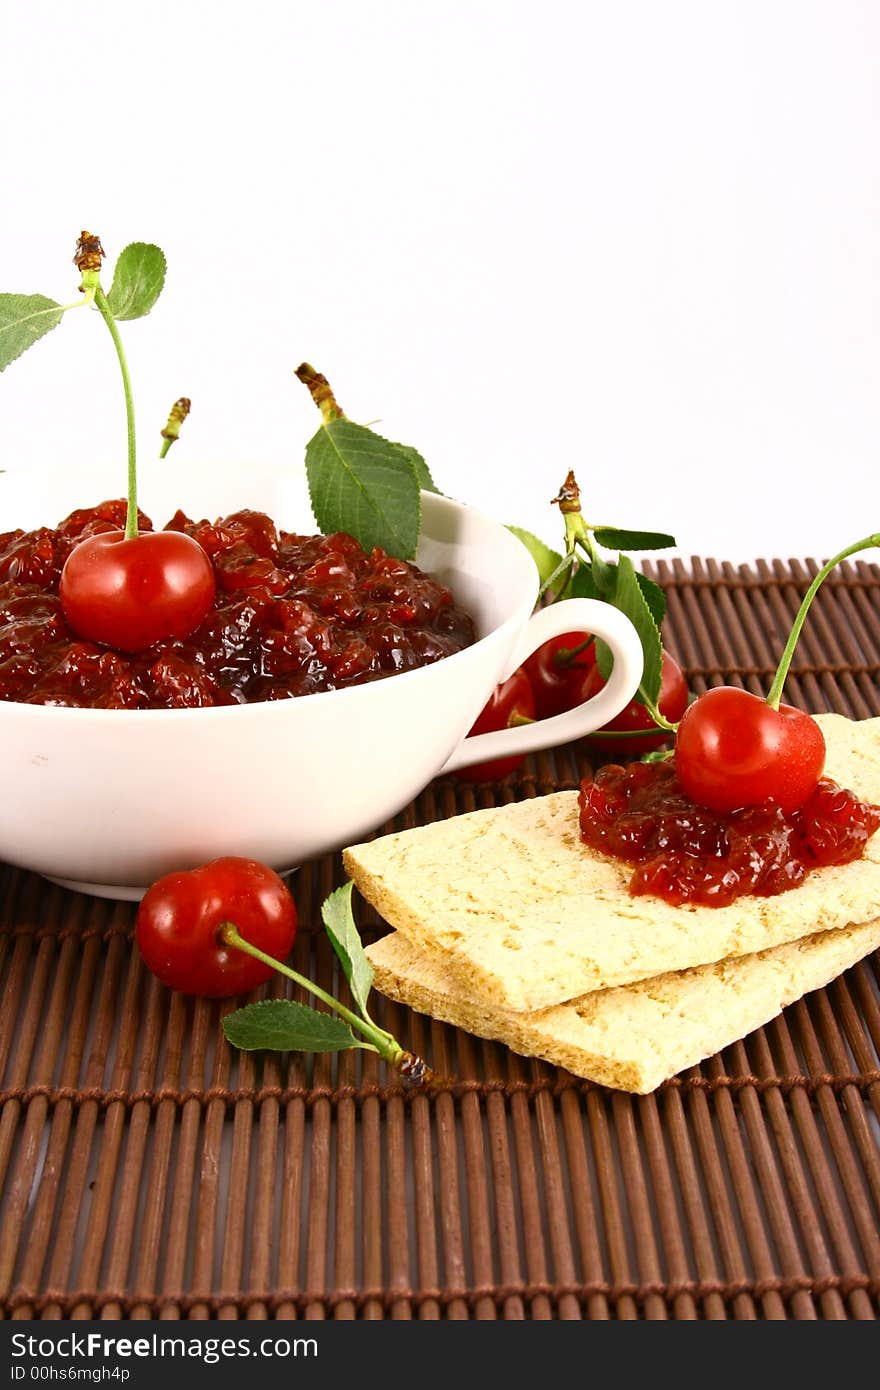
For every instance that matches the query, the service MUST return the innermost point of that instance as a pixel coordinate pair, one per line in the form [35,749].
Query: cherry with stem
[735,749]
[129,589]
[223,928]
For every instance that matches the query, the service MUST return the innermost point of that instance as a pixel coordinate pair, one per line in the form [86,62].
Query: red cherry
[510,703]
[178,919]
[672,704]
[557,675]
[733,750]
[131,593]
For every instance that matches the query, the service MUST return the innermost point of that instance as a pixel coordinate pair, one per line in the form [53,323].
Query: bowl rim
[252,709]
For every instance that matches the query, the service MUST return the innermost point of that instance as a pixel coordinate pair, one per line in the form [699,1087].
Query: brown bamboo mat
[147,1170]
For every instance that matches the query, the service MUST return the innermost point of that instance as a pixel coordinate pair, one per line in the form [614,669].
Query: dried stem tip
[569,499]
[319,389]
[89,252]
[179,412]
[415,1070]
[171,432]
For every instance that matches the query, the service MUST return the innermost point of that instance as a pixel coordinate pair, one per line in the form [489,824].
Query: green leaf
[338,919]
[604,659]
[365,485]
[615,539]
[547,560]
[137,281]
[24,319]
[282,1025]
[654,597]
[604,577]
[630,599]
[583,585]
[423,472]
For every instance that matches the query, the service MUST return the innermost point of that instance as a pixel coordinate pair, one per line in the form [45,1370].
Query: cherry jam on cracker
[684,853]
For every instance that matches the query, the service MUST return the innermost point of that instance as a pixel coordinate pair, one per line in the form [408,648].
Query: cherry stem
[659,719]
[131,516]
[576,531]
[410,1066]
[665,726]
[775,694]
[518,721]
[566,655]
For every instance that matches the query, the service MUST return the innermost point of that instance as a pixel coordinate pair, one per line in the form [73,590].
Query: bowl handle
[571,615]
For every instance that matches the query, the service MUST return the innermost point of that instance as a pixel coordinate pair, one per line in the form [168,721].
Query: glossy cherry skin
[509,703]
[129,594]
[177,922]
[733,750]
[672,704]
[557,682]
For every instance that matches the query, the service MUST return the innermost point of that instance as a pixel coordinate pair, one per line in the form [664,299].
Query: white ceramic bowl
[108,800]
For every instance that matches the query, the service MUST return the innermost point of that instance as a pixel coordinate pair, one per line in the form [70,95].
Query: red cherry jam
[685,853]
[292,615]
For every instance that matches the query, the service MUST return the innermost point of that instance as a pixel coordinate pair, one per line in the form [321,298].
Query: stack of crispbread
[509,927]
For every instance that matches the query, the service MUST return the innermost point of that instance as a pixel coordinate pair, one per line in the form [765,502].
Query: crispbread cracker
[635,1036]
[528,916]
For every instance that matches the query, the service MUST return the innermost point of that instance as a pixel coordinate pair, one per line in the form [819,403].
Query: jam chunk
[685,853]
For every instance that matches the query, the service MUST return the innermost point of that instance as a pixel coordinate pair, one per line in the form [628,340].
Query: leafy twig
[588,574]
[284,1025]
[137,283]
[360,482]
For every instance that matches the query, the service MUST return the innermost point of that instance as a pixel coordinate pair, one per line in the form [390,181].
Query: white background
[637,239]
